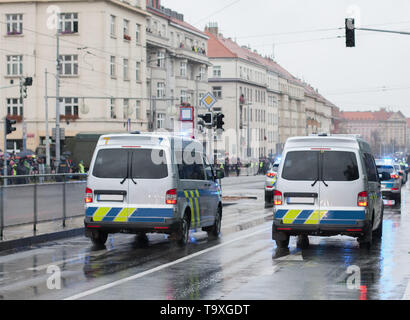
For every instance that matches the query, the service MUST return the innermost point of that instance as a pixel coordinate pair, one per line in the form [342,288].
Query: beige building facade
[102,66]
[178,64]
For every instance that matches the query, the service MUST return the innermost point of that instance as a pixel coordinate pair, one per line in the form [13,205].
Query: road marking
[407,292]
[291,257]
[161,267]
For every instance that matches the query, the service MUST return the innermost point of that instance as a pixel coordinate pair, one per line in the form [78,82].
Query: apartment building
[177,66]
[247,90]
[318,112]
[384,130]
[102,59]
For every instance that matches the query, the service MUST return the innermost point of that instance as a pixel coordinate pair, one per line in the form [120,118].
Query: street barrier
[30,199]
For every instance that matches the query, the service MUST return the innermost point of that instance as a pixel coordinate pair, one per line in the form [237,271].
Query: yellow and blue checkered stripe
[109,214]
[309,217]
[193,198]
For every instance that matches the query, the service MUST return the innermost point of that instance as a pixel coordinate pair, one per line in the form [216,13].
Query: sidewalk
[24,235]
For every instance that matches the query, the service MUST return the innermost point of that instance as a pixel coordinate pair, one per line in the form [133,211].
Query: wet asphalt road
[243,264]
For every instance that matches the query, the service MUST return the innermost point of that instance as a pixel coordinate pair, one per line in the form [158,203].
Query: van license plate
[389,202]
[110,197]
[296,200]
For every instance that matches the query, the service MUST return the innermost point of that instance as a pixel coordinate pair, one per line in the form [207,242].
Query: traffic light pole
[23,123]
[386,31]
[4,152]
[58,65]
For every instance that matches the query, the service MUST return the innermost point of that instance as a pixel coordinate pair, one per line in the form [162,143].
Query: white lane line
[407,292]
[161,267]
[291,257]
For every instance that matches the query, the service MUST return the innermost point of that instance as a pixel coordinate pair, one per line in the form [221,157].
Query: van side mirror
[384,176]
[220,174]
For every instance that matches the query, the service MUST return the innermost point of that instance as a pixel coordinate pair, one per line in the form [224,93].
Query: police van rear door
[299,187]
[151,185]
[341,188]
[109,184]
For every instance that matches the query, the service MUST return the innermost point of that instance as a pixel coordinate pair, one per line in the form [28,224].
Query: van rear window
[329,166]
[387,169]
[339,166]
[116,164]
[301,166]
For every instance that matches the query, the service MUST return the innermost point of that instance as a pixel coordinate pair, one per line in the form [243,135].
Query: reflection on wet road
[242,264]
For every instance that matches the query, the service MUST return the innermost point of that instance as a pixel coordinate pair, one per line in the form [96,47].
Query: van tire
[283,244]
[365,242]
[99,238]
[378,233]
[215,230]
[303,242]
[184,231]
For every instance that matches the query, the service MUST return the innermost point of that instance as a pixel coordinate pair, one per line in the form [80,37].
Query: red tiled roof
[408,122]
[381,115]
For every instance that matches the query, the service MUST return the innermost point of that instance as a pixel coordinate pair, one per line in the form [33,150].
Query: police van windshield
[328,166]
[115,164]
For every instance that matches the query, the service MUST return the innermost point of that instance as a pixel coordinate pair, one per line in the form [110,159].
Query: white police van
[327,185]
[151,183]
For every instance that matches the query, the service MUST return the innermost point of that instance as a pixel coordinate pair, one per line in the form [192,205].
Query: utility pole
[58,66]
[47,135]
[22,115]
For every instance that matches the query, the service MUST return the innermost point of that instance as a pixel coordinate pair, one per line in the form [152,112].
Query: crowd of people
[252,167]
[19,167]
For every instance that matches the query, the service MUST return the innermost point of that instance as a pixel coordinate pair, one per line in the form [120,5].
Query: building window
[69,22]
[137,33]
[138,71]
[160,90]
[182,69]
[217,73]
[127,30]
[14,24]
[14,107]
[160,59]
[112,109]
[160,120]
[217,92]
[71,106]
[202,73]
[126,108]
[184,97]
[113,25]
[125,69]
[113,73]
[138,109]
[69,65]
[14,65]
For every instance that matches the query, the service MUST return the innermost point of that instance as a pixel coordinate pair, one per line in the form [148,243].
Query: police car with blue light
[391,187]
[327,185]
[151,183]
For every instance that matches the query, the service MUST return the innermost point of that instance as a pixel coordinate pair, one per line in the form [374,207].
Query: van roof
[335,141]
[145,139]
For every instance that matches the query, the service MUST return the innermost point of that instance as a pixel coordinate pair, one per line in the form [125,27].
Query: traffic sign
[208,100]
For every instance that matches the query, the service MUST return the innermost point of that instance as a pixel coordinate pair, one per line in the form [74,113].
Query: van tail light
[394,176]
[362,199]
[277,198]
[270,174]
[171,196]
[88,195]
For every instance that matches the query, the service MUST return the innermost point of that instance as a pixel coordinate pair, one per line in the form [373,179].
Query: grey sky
[372,75]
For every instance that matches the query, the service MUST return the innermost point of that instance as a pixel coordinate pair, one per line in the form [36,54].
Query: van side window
[371,169]
[190,171]
[209,172]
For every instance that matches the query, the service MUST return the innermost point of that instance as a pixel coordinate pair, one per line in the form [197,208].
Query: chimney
[212,28]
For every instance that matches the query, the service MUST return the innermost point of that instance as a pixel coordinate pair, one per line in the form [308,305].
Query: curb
[29,241]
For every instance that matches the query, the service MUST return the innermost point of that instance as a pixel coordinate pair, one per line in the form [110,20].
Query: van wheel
[215,230]
[99,238]
[283,244]
[184,232]
[365,242]
[379,231]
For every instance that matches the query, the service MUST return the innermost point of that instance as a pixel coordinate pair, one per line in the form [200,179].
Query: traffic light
[350,33]
[28,82]
[207,118]
[9,126]
[219,121]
